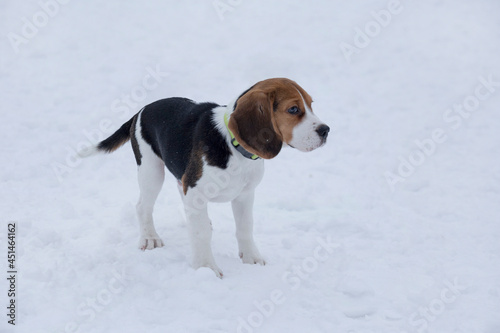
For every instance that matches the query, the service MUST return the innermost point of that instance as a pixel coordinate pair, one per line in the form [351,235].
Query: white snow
[421,255]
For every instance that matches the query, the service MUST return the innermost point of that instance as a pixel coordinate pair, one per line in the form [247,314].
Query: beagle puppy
[217,155]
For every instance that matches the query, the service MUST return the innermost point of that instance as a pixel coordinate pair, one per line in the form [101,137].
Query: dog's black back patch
[174,127]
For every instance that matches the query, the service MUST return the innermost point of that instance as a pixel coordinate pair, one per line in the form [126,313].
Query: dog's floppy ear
[252,124]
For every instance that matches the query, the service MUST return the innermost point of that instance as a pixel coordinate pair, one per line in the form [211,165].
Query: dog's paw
[213,267]
[252,257]
[149,243]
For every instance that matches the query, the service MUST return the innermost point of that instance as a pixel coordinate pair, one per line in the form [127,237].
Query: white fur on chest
[222,185]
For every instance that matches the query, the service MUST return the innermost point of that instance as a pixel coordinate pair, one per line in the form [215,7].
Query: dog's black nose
[322,131]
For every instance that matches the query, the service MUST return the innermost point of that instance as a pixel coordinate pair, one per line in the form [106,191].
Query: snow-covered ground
[392,227]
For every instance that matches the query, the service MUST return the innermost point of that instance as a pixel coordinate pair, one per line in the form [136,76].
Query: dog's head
[274,112]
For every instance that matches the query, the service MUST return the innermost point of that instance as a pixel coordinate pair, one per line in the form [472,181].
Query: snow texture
[392,227]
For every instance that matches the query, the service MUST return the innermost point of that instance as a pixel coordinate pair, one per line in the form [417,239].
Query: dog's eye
[293,110]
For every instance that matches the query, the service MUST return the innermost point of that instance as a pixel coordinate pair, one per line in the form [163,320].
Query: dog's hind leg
[151,173]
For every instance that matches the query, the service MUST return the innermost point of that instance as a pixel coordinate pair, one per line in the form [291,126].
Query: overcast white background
[406,192]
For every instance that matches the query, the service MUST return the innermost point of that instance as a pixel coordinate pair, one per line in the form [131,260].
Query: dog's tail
[115,141]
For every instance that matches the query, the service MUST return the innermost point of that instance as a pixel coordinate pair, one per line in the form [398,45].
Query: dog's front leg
[243,216]
[200,231]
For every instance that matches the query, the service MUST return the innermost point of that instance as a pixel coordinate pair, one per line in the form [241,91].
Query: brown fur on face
[260,121]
